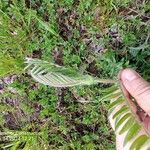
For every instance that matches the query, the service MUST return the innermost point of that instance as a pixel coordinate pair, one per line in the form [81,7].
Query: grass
[96,37]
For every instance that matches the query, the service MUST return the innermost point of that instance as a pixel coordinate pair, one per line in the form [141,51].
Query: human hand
[137,87]
[133,85]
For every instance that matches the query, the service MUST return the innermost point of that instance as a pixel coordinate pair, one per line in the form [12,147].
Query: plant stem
[106,81]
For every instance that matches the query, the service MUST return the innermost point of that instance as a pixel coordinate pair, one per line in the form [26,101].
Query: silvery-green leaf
[59,76]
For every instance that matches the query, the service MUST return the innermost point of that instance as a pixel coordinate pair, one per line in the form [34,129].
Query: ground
[96,37]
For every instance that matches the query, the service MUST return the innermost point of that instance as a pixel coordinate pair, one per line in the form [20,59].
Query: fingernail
[130,74]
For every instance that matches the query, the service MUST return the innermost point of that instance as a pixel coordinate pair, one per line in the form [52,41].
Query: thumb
[137,87]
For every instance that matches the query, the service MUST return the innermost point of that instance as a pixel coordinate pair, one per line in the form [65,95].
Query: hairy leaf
[58,76]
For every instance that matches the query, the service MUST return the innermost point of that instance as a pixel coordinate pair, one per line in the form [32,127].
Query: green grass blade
[47,27]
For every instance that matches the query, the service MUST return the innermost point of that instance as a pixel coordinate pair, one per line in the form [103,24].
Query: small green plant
[26,139]
[10,65]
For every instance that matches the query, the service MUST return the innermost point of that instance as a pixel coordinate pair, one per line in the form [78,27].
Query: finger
[124,90]
[147,124]
[137,87]
[127,94]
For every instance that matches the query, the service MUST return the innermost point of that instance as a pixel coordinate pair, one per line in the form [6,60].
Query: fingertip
[121,76]
[128,75]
